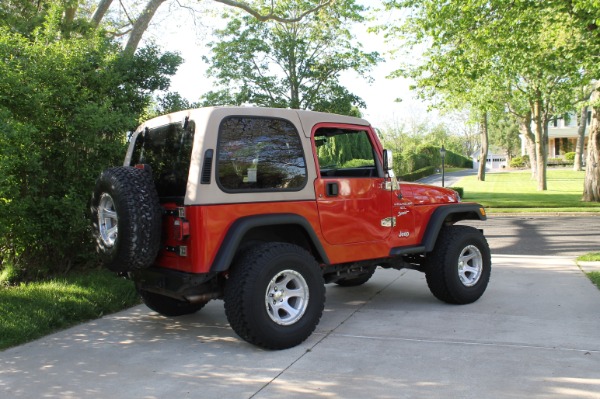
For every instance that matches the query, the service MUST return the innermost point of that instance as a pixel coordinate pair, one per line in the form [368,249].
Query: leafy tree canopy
[293,65]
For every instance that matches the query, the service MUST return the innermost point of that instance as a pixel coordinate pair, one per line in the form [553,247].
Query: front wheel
[458,270]
[275,295]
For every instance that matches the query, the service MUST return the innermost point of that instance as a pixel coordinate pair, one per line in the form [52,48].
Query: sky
[379,95]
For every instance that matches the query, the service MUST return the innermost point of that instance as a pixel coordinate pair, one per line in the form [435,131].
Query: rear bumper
[176,284]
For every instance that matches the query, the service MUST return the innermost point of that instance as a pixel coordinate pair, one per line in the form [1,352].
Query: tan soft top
[207,121]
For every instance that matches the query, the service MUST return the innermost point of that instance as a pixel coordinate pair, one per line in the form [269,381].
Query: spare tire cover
[126,218]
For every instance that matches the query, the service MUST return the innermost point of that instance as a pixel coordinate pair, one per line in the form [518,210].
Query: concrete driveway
[535,333]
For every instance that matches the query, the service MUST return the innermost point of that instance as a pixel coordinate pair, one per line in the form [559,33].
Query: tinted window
[259,154]
[167,149]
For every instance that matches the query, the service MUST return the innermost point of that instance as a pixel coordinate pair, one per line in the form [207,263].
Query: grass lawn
[595,277]
[517,192]
[30,311]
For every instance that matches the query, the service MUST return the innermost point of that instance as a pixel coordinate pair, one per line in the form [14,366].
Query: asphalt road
[551,235]
[533,334]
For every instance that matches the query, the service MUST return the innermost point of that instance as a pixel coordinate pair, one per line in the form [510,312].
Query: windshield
[167,149]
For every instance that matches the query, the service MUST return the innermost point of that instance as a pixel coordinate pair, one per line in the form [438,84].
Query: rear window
[259,154]
[167,149]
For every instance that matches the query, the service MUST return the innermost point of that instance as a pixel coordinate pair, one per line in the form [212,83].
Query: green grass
[591,257]
[517,192]
[595,277]
[30,311]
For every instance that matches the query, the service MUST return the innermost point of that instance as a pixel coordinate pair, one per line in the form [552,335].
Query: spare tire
[126,218]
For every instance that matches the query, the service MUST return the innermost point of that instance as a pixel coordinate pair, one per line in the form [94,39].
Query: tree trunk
[484,148]
[525,129]
[102,8]
[68,18]
[140,25]
[540,145]
[577,164]
[591,185]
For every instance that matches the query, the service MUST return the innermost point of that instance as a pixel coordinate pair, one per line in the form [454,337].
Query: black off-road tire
[458,270]
[126,218]
[167,306]
[356,281]
[275,295]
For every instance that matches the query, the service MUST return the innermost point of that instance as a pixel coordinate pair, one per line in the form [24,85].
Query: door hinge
[388,222]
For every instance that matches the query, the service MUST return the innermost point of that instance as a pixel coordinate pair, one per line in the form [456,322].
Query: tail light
[181,229]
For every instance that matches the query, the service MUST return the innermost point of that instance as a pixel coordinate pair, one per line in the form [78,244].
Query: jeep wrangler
[262,207]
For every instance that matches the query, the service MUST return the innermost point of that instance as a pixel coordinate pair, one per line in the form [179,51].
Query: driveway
[450,178]
[534,333]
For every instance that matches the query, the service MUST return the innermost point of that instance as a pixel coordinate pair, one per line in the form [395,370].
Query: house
[562,136]
[496,159]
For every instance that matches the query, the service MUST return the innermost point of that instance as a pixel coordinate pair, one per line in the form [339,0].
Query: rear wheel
[275,295]
[168,306]
[458,270]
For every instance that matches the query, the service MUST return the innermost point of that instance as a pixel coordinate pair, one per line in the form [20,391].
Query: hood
[425,194]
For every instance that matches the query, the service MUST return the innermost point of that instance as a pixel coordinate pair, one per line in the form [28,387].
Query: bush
[64,108]
[418,174]
[357,163]
[459,190]
[570,156]
[558,162]
[518,162]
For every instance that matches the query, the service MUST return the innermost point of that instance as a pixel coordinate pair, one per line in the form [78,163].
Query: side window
[259,154]
[345,153]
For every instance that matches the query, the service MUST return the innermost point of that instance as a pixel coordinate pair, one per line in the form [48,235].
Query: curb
[588,267]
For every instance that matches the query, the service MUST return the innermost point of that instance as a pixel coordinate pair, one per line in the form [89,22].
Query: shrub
[418,174]
[570,156]
[357,163]
[558,162]
[459,190]
[518,162]
[65,106]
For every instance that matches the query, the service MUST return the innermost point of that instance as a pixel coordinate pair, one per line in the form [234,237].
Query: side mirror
[388,160]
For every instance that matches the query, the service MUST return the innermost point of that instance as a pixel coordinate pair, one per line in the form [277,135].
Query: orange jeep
[261,207]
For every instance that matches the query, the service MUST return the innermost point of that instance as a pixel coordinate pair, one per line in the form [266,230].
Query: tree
[261,10]
[582,118]
[25,14]
[504,133]
[494,53]
[295,65]
[591,190]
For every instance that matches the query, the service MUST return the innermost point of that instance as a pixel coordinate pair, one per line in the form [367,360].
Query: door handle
[331,190]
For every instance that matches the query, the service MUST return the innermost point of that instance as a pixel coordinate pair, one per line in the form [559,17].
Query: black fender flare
[456,212]
[240,227]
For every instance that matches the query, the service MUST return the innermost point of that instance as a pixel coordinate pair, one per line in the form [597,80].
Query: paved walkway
[534,334]
[450,178]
